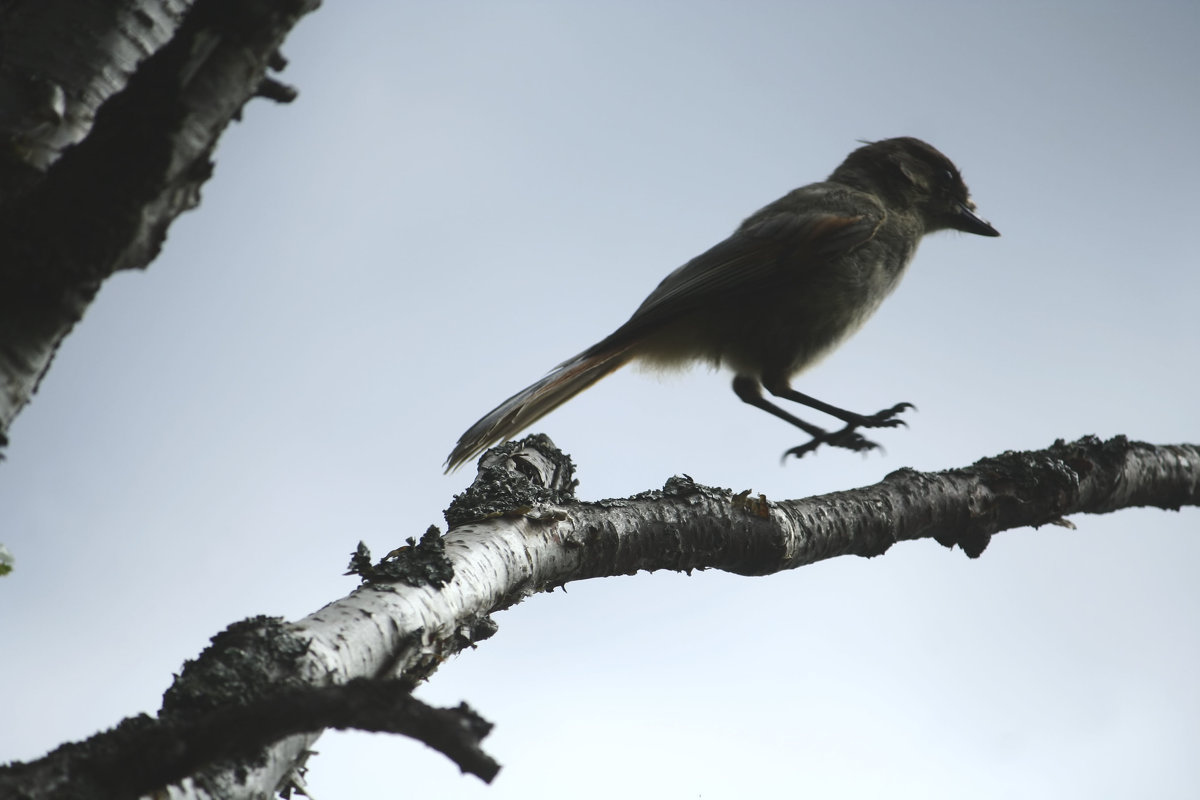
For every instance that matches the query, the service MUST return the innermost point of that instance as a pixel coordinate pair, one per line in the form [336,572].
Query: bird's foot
[847,438]
[882,419]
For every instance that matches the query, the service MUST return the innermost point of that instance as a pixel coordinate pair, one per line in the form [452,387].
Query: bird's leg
[847,437]
[750,391]
[880,419]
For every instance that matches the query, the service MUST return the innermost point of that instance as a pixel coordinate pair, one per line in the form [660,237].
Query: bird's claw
[847,438]
[850,439]
[886,417]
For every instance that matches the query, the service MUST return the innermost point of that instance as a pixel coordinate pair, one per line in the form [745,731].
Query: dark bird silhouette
[792,282]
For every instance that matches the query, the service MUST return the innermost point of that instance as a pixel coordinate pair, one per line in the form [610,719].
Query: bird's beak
[968,221]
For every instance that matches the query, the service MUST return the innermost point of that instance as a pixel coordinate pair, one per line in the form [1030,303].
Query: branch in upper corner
[97,164]
[280,92]
[142,754]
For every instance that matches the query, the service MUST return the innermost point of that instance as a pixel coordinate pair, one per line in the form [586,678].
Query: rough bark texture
[109,112]
[519,531]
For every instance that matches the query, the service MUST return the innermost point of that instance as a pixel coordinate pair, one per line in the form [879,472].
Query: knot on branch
[514,478]
[417,564]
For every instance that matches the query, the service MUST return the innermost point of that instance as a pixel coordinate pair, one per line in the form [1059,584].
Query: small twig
[142,754]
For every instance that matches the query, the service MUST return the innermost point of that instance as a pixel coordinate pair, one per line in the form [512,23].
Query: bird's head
[907,173]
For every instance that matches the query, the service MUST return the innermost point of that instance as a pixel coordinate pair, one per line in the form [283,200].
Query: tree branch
[109,113]
[518,530]
[142,755]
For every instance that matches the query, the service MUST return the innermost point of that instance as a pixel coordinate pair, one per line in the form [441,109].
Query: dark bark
[142,755]
[109,113]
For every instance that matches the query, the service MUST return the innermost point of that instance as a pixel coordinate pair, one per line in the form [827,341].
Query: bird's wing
[761,254]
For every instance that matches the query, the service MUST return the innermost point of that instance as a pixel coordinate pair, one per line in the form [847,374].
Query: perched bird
[794,280]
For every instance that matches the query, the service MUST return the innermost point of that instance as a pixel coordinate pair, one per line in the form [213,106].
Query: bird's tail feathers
[534,402]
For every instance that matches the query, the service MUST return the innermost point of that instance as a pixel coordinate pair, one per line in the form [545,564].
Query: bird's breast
[788,328]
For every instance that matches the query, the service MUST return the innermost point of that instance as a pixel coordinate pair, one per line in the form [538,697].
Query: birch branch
[518,530]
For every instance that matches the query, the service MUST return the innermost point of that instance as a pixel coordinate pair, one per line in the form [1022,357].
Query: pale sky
[464,195]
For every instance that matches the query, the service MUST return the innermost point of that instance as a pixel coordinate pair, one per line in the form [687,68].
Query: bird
[794,280]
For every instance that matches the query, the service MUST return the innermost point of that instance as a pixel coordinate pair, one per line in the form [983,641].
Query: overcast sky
[465,194]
